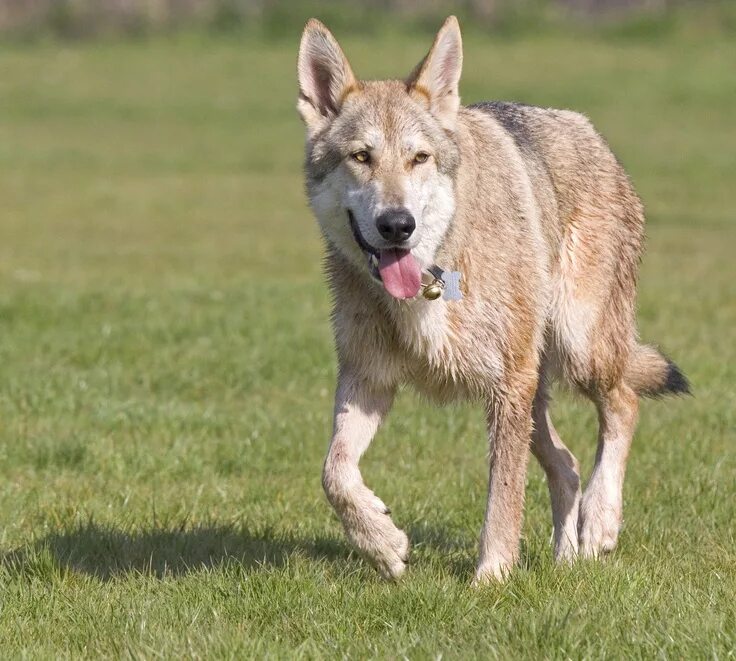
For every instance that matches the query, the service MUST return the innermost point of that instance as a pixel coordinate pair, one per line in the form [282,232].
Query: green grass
[166,371]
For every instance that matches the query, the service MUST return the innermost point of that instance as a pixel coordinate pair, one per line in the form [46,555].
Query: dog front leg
[509,424]
[359,411]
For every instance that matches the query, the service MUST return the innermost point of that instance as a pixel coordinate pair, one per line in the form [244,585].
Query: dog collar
[445,284]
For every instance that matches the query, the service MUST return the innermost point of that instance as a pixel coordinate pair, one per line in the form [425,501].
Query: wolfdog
[474,252]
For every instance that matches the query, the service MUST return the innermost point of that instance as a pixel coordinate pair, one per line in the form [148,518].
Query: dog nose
[395,225]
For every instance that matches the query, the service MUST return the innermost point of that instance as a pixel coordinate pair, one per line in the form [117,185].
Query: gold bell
[432,291]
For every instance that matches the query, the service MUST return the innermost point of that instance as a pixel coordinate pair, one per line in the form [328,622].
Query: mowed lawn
[166,371]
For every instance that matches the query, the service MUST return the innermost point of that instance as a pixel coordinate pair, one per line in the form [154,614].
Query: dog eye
[421,157]
[361,156]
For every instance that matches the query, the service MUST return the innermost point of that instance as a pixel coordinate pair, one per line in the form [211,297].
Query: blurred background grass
[166,365]
[72,19]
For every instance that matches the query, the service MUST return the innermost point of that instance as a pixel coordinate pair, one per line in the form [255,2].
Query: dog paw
[566,552]
[392,558]
[566,517]
[379,541]
[490,572]
[566,545]
[600,523]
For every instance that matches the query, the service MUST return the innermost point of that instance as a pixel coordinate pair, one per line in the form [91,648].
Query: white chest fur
[422,327]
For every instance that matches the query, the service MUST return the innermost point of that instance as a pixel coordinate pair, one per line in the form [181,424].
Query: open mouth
[396,268]
[372,254]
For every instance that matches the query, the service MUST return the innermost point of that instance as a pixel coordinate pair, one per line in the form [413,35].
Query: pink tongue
[400,273]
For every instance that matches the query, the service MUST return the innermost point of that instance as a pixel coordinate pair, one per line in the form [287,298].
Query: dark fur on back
[511,116]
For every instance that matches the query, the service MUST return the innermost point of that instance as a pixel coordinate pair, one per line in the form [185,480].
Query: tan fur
[647,370]
[531,206]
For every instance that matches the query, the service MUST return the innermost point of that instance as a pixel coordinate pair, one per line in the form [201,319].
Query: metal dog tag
[452,286]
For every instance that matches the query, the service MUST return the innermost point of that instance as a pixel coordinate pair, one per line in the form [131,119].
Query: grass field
[166,371]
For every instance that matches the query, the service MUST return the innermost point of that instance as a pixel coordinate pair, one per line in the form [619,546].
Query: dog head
[381,156]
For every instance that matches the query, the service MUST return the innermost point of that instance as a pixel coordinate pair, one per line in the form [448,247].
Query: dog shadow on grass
[105,553]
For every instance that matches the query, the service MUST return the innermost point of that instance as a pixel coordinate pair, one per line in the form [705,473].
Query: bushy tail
[652,374]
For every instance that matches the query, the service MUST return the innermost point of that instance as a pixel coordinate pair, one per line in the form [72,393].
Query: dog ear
[324,75]
[437,76]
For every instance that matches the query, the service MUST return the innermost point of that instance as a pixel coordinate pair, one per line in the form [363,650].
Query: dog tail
[651,374]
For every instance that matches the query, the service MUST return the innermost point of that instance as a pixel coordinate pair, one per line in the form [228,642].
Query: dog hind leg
[601,507]
[563,477]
